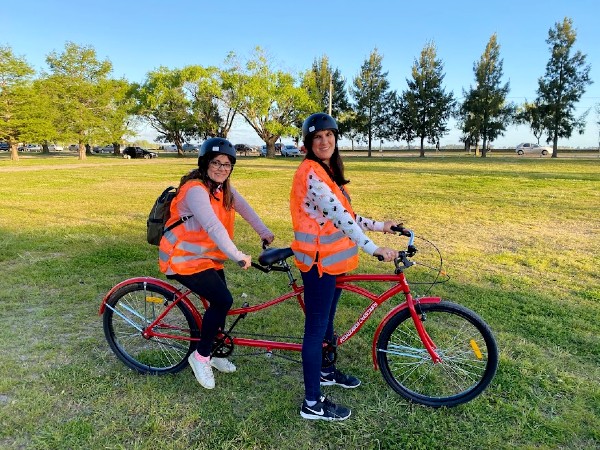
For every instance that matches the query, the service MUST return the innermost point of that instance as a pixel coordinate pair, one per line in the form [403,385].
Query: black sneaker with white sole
[337,378]
[324,409]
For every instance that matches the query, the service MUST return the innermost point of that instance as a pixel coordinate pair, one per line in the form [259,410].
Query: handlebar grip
[400,229]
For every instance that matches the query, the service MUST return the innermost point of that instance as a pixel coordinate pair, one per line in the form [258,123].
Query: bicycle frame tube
[345,282]
[267,344]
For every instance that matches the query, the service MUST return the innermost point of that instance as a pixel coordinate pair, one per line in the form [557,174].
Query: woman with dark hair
[194,251]
[327,234]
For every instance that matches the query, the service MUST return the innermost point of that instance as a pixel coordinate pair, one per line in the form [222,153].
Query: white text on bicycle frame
[364,317]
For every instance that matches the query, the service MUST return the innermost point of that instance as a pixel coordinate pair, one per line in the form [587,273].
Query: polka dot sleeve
[322,205]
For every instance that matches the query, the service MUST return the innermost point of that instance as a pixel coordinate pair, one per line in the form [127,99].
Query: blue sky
[139,36]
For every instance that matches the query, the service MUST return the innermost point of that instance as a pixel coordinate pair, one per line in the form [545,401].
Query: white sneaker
[202,371]
[222,365]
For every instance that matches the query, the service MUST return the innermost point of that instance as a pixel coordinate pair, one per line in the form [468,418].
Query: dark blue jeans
[320,299]
[211,285]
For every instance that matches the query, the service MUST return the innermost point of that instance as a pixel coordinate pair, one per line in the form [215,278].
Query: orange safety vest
[187,248]
[324,245]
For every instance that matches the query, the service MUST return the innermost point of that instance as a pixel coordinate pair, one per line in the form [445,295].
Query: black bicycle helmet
[317,122]
[214,146]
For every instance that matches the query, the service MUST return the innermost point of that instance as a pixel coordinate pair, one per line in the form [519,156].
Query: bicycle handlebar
[401,260]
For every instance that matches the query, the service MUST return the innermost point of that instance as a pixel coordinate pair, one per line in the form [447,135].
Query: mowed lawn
[520,239]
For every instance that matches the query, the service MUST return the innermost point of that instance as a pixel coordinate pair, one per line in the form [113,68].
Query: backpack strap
[179,222]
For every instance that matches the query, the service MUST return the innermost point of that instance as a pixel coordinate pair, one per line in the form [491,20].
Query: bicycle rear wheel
[130,310]
[464,342]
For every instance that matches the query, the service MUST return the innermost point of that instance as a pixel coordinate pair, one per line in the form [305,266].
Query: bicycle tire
[464,342]
[129,310]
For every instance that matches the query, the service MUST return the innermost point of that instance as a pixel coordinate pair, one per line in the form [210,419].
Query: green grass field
[521,243]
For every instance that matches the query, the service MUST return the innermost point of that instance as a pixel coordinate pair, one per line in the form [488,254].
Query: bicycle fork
[418,319]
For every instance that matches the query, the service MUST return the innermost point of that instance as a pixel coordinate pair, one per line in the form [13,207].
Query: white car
[290,150]
[30,148]
[55,148]
[534,149]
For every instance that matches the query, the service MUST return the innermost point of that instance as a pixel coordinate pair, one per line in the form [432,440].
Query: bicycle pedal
[244,305]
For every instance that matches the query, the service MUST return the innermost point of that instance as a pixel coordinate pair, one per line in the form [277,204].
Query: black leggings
[211,285]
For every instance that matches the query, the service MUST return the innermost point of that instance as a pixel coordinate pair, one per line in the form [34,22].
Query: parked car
[530,148]
[55,148]
[290,150]
[138,152]
[74,147]
[187,147]
[168,147]
[109,148]
[242,148]
[4,146]
[30,148]
[263,150]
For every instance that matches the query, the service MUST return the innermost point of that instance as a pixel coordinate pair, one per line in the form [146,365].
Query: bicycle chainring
[329,354]
[222,346]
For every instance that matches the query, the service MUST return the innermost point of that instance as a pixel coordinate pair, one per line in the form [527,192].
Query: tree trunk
[484,147]
[14,152]
[422,152]
[555,146]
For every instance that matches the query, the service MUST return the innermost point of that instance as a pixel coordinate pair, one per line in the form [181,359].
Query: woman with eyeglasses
[194,251]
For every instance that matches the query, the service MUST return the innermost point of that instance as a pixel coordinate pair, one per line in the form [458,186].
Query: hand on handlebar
[399,228]
[266,240]
[245,262]
[389,225]
[385,254]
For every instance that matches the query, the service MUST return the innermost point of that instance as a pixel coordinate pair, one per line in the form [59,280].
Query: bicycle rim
[464,342]
[130,310]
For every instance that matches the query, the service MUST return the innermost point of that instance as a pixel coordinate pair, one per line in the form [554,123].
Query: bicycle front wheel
[464,342]
[130,310]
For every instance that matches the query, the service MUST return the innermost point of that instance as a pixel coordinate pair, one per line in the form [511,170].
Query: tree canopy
[428,105]
[485,112]
[371,94]
[566,78]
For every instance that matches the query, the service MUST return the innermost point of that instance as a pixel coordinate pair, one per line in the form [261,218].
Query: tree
[268,99]
[164,104]
[531,114]
[80,90]
[429,106]
[209,93]
[327,88]
[566,78]
[400,125]
[16,98]
[485,107]
[117,113]
[371,96]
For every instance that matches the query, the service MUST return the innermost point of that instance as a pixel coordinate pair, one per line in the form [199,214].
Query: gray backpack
[159,214]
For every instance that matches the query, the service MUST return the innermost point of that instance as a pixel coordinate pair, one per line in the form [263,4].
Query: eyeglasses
[218,165]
